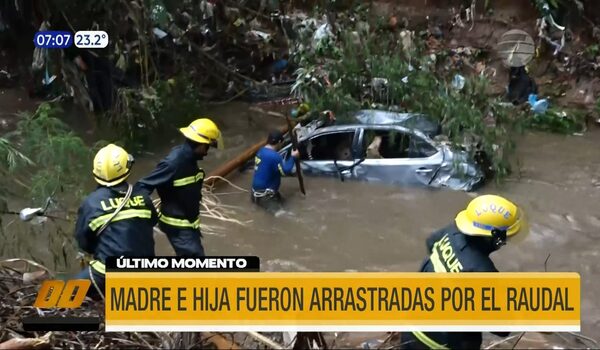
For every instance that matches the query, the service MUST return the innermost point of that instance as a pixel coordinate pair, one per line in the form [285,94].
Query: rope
[262,194]
[212,207]
[123,202]
[94,282]
[227,181]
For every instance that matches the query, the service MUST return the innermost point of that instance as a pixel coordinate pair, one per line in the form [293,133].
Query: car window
[385,144]
[334,146]
[378,144]
[419,148]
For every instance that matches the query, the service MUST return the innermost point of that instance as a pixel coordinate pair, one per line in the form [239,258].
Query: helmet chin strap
[498,238]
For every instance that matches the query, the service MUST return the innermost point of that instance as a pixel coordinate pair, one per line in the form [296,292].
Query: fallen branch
[42,342]
[237,162]
[220,64]
[594,342]
[220,342]
[261,338]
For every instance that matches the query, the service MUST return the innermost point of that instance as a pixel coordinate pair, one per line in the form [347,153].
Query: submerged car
[410,120]
[384,149]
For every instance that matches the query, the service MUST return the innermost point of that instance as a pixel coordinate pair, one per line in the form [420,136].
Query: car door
[329,153]
[400,156]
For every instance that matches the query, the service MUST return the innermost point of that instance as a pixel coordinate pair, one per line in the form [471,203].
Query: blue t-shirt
[268,169]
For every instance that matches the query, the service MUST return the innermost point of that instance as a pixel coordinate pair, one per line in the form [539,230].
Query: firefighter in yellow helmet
[178,181]
[106,228]
[487,223]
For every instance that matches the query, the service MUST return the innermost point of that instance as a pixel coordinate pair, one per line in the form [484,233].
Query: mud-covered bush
[140,114]
[376,70]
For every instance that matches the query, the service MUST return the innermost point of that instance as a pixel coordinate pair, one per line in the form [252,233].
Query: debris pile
[19,283]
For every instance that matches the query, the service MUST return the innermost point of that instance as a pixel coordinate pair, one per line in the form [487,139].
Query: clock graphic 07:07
[84,39]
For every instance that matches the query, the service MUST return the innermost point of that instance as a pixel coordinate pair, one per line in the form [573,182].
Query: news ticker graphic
[61,294]
[181,264]
[70,294]
[59,323]
[300,301]
[83,39]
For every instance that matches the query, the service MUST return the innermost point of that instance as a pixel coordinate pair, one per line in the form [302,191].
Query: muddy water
[340,226]
[354,226]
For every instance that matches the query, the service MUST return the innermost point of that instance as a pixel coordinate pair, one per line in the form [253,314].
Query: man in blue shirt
[268,170]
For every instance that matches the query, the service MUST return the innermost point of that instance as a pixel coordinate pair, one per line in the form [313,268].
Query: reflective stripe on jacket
[452,251]
[98,266]
[178,181]
[130,232]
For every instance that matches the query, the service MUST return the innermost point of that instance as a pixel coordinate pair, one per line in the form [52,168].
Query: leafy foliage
[10,159]
[58,159]
[345,76]
[10,156]
[558,121]
[140,114]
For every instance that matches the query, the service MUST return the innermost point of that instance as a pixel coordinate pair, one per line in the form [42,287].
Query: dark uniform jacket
[454,252]
[130,233]
[178,181]
[450,251]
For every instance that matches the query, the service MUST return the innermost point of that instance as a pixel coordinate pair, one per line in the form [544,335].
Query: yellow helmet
[203,130]
[303,108]
[490,212]
[112,165]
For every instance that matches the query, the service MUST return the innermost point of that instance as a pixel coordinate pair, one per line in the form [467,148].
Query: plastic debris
[261,35]
[322,33]
[372,344]
[238,22]
[458,82]
[538,106]
[29,213]
[406,38]
[379,83]
[159,33]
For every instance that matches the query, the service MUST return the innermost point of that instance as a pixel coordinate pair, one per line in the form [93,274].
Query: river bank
[365,227]
[384,228]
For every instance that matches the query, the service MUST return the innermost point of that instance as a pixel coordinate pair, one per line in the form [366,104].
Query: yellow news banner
[262,301]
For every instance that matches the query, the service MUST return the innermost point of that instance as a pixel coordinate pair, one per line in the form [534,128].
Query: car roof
[347,127]
[377,116]
[419,121]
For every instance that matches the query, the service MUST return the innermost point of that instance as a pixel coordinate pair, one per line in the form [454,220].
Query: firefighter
[269,168]
[464,246]
[106,227]
[178,181]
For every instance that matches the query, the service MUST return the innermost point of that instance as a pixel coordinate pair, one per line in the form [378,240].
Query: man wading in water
[178,181]
[269,168]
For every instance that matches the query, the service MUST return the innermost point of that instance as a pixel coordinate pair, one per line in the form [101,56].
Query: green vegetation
[139,114]
[415,82]
[45,156]
[10,158]
[561,121]
[41,158]
[343,74]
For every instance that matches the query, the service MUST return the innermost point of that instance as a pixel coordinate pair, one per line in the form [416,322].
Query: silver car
[383,151]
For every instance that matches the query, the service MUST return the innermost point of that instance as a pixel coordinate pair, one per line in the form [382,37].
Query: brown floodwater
[351,226]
